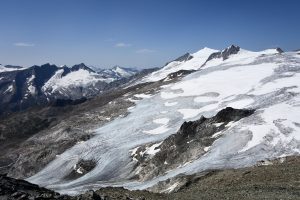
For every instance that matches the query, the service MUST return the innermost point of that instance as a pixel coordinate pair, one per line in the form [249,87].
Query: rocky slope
[192,140]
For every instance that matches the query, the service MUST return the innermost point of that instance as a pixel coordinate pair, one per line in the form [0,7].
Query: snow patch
[240,104]
[161,121]
[171,103]
[143,96]
[158,130]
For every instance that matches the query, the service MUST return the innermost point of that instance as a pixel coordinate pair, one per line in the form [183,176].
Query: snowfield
[195,63]
[265,81]
[80,78]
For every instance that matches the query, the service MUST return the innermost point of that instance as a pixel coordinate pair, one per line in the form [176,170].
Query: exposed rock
[279,50]
[224,54]
[178,74]
[188,144]
[18,189]
[64,102]
[81,168]
[182,58]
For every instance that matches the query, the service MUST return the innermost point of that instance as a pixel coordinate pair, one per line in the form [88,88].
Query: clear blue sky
[139,33]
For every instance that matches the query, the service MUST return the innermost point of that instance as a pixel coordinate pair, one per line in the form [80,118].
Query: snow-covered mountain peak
[271,51]
[118,72]
[125,72]
[186,62]
[204,52]
[81,66]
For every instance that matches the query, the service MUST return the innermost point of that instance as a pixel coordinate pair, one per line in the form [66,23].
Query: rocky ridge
[192,140]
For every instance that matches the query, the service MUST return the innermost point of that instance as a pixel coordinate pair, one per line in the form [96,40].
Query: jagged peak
[231,49]
[117,67]
[279,50]
[81,66]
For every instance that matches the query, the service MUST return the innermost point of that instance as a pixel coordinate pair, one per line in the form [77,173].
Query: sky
[139,33]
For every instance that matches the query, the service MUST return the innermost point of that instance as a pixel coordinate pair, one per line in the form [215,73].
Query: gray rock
[187,144]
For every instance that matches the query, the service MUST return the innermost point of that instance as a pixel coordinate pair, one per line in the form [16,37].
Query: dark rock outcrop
[279,50]
[182,58]
[187,144]
[64,102]
[22,190]
[224,54]
[17,189]
[81,168]
[178,74]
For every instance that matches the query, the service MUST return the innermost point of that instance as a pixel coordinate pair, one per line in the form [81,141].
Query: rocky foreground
[276,179]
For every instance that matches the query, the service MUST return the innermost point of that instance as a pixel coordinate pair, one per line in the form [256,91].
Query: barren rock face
[225,53]
[191,141]
[81,168]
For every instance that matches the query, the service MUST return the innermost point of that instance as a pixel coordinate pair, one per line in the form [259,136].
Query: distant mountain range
[37,85]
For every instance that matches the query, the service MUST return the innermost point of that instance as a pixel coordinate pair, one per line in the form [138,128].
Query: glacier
[266,81]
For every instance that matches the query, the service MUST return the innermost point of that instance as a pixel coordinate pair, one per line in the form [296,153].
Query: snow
[133,151]
[31,88]
[152,150]
[171,103]
[158,130]
[195,63]
[9,89]
[161,121]
[235,80]
[79,170]
[206,148]
[130,108]
[143,96]
[243,57]
[132,100]
[190,113]
[80,78]
[172,187]
[288,115]
[203,99]
[277,85]
[217,134]
[218,124]
[122,72]
[243,103]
